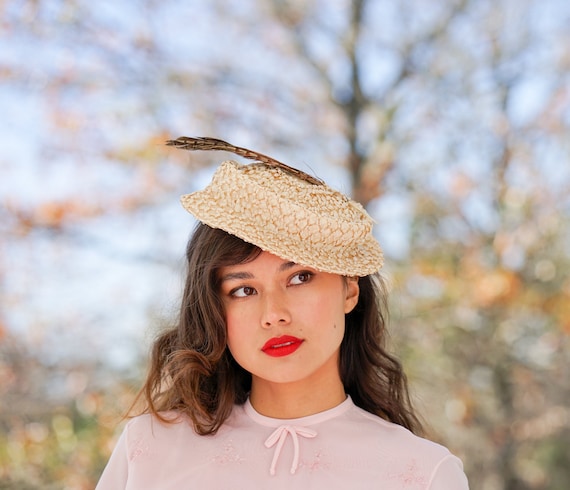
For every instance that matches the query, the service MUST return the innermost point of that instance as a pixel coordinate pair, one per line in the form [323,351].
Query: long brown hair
[193,372]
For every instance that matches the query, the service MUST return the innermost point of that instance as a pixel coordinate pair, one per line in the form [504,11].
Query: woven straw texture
[309,224]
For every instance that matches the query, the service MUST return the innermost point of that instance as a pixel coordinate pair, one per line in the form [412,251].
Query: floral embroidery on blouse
[229,454]
[318,462]
[411,476]
[140,448]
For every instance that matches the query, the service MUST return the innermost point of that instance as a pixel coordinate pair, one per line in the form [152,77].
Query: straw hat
[283,211]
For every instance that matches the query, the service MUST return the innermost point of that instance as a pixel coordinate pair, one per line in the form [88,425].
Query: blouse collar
[301,421]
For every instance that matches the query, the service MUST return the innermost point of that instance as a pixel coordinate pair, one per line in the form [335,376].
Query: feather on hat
[285,212]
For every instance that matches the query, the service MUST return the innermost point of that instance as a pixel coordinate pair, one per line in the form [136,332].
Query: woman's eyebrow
[236,276]
[286,266]
[239,275]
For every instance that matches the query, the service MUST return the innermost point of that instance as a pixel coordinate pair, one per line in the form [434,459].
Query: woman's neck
[295,400]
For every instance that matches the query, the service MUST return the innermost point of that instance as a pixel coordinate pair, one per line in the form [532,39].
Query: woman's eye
[243,292]
[301,277]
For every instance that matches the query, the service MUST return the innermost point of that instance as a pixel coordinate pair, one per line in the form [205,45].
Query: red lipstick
[281,346]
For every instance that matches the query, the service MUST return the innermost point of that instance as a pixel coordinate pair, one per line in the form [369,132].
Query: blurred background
[449,120]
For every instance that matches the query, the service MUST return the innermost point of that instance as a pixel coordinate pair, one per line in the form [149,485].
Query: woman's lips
[281,346]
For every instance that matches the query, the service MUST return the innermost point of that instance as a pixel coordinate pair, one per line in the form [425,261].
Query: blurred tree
[449,118]
[57,422]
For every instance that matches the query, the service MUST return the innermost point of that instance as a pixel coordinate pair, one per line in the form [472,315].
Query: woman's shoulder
[410,457]
[149,434]
[397,437]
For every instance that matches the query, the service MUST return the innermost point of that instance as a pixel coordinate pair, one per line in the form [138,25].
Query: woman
[277,375]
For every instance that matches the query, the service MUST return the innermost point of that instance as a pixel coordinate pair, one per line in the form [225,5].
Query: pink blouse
[345,447]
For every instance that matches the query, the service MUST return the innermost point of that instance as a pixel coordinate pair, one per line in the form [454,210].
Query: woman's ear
[351,293]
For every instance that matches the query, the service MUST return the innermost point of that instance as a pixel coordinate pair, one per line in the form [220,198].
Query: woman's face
[285,322]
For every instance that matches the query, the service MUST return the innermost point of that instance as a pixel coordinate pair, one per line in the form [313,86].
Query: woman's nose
[275,310]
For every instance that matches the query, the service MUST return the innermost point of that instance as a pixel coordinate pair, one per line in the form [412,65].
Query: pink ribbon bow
[278,437]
